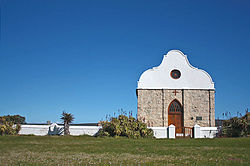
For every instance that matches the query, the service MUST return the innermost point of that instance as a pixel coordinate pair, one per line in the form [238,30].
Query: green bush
[8,127]
[16,119]
[235,127]
[126,127]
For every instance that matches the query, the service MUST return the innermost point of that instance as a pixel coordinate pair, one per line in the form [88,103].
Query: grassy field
[84,150]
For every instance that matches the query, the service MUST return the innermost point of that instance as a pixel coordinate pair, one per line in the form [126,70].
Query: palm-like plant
[67,119]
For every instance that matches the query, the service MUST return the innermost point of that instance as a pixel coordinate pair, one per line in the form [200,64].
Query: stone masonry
[153,106]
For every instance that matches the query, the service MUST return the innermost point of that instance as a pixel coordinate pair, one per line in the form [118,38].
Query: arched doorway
[175,115]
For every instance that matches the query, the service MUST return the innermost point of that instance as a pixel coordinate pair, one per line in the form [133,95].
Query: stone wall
[150,107]
[153,106]
[212,107]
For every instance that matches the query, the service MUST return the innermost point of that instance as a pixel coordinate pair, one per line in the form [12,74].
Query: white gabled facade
[191,77]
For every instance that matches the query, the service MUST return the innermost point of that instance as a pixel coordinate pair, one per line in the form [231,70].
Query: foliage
[125,126]
[16,119]
[67,119]
[247,117]
[235,127]
[8,127]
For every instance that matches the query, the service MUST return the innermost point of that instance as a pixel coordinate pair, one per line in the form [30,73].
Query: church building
[176,93]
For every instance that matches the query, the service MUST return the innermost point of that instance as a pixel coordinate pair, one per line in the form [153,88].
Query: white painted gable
[191,77]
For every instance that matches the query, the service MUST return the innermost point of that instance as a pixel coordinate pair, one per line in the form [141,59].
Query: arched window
[175,106]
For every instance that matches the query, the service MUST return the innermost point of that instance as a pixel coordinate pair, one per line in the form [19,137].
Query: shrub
[125,126]
[8,127]
[16,119]
[235,127]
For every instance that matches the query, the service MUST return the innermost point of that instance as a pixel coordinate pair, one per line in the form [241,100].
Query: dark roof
[218,122]
[73,124]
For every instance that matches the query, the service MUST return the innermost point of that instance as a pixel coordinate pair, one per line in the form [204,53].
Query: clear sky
[85,57]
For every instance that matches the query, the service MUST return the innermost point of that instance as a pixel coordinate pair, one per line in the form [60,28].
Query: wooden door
[175,115]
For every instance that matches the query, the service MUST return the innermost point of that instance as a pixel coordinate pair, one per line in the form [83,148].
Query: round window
[175,74]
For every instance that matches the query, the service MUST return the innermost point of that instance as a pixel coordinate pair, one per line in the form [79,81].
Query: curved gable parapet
[160,78]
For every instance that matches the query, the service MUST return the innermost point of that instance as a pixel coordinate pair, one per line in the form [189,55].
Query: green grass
[84,150]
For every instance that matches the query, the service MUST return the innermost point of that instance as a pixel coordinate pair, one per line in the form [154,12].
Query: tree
[235,127]
[67,119]
[8,127]
[16,119]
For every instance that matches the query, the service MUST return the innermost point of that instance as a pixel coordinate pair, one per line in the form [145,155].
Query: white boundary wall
[208,132]
[159,132]
[84,130]
[34,129]
[46,129]
[54,129]
[205,132]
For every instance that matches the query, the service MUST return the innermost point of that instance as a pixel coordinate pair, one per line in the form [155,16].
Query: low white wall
[34,129]
[46,129]
[208,132]
[205,132]
[84,130]
[160,132]
[54,129]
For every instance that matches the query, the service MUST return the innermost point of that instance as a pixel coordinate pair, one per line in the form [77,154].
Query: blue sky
[85,57]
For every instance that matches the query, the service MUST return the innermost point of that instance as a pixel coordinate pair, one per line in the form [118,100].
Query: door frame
[177,113]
